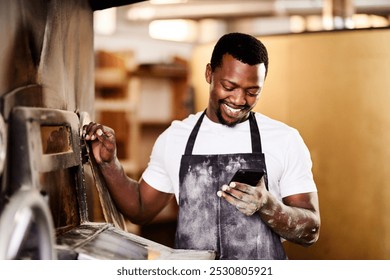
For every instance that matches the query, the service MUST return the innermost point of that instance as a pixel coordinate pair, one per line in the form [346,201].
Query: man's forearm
[123,190]
[295,224]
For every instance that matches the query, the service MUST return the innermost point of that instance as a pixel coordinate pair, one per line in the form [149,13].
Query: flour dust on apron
[207,222]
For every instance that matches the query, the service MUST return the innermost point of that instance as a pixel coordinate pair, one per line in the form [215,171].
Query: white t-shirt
[287,158]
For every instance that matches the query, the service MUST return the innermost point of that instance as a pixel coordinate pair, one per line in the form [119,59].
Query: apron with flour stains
[207,222]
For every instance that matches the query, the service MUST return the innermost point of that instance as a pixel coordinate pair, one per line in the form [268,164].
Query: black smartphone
[247,176]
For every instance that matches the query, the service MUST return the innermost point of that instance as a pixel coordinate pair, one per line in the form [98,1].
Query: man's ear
[208,73]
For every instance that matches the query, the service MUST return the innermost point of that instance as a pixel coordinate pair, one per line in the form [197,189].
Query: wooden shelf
[150,97]
[155,123]
[170,71]
[113,105]
[140,103]
[110,77]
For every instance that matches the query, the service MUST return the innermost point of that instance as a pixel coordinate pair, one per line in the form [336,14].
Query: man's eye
[252,92]
[228,88]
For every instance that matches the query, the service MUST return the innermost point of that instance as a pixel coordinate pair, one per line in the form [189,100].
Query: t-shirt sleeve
[297,175]
[156,174]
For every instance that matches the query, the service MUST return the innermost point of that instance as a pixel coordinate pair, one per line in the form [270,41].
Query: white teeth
[234,111]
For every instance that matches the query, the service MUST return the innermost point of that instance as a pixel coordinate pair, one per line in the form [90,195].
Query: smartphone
[248,176]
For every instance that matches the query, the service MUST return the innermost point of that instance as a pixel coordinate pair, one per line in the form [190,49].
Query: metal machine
[46,172]
[46,215]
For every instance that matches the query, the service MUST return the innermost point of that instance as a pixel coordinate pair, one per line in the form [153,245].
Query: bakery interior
[138,65]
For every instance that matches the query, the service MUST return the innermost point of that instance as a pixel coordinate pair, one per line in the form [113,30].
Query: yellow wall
[334,87]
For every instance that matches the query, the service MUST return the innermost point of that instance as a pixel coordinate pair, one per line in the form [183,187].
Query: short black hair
[242,47]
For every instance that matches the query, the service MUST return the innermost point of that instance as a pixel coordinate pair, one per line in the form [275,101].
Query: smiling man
[234,90]
[195,160]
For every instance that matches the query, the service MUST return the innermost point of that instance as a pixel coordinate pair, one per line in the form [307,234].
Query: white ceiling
[227,9]
[258,17]
[216,17]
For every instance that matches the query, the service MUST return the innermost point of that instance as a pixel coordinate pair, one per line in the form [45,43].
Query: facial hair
[223,121]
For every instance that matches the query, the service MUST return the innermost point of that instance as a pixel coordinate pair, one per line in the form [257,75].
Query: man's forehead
[261,70]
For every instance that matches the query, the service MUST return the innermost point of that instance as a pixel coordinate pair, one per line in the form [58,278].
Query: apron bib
[207,222]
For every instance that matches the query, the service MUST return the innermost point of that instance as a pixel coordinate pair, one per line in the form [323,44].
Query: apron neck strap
[194,133]
[255,134]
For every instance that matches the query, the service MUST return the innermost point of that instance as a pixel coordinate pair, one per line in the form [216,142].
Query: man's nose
[239,97]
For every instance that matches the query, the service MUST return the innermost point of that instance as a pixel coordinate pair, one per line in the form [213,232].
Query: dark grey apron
[207,222]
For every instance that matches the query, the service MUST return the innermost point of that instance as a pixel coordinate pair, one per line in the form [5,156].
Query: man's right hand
[103,141]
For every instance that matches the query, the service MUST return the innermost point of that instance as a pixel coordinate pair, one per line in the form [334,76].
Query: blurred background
[328,77]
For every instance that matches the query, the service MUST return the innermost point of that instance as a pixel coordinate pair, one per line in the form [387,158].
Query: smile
[231,110]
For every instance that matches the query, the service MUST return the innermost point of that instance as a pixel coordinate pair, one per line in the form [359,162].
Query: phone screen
[248,176]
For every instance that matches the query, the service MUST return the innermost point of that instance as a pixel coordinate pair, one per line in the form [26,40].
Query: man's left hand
[247,199]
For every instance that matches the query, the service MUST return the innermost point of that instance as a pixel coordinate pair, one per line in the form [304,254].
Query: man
[195,159]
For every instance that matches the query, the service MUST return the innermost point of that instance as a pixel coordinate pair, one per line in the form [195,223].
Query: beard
[223,121]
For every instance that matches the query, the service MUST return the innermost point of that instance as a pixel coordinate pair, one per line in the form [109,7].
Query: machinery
[47,173]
